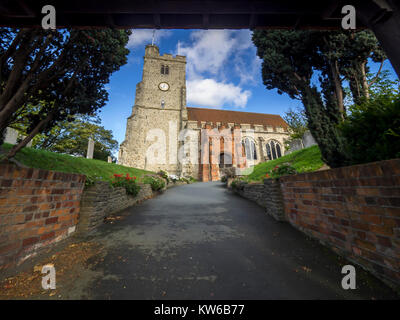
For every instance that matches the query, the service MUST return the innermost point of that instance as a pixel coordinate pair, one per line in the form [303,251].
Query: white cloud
[140,37]
[211,50]
[210,93]
[211,57]
[249,72]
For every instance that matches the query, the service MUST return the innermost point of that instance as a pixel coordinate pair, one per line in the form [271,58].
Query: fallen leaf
[37,268]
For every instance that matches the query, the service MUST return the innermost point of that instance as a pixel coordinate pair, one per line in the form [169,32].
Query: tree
[71,137]
[311,66]
[372,129]
[57,73]
[360,47]
[290,59]
[297,121]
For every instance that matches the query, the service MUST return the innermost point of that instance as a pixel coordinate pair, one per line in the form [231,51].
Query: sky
[222,72]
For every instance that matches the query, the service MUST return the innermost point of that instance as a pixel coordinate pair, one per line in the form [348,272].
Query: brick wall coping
[373,169]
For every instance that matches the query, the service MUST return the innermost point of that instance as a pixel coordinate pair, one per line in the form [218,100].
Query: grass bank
[42,159]
[305,160]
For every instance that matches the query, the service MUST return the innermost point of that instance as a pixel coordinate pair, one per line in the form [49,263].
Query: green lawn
[42,159]
[305,160]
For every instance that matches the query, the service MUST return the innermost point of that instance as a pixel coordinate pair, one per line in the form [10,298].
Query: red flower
[267,175]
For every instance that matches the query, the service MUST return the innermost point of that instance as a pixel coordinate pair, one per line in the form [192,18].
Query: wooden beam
[206,21]
[26,8]
[252,21]
[157,20]
[331,7]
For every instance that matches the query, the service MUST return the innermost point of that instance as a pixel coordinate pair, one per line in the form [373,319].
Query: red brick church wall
[209,169]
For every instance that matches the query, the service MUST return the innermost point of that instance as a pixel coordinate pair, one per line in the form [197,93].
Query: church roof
[237,117]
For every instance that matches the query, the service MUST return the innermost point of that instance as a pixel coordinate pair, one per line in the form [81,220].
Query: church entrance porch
[222,148]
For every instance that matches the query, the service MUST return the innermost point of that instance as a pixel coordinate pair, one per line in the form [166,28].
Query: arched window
[250,149]
[269,153]
[274,150]
[162,69]
[166,69]
[278,150]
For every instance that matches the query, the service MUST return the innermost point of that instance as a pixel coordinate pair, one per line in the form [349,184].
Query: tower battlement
[152,51]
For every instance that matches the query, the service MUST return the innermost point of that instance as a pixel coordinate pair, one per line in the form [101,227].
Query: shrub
[129,183]
[91,180]
[372,130]
[184,179]
[224,179]
[156,183]
[164,174]
[283,169]
[238,183]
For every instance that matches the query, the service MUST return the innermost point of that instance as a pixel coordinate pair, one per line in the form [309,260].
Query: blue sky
[223,71]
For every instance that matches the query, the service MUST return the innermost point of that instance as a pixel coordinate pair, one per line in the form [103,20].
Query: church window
[269,154]
[162,104]
[164,69]
[250,149]
[278,150]
[274,150]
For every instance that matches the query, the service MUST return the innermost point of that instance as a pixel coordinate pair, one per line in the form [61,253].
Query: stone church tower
[160,121]
[158,115]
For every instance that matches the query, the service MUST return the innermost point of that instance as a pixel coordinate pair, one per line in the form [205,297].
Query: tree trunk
[338,86]
[365,86]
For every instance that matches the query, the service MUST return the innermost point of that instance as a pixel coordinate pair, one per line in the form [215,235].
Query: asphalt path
[201,241]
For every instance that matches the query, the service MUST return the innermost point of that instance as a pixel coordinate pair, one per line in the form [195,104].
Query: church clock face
[163,86]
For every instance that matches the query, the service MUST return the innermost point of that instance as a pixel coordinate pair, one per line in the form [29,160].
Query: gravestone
[90,149]
[11,136]
[308,140]
[109,160]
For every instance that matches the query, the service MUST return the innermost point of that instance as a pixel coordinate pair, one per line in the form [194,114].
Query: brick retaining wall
[101,200]
[37,208]
[354,210]
[40,207]
[268,195]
